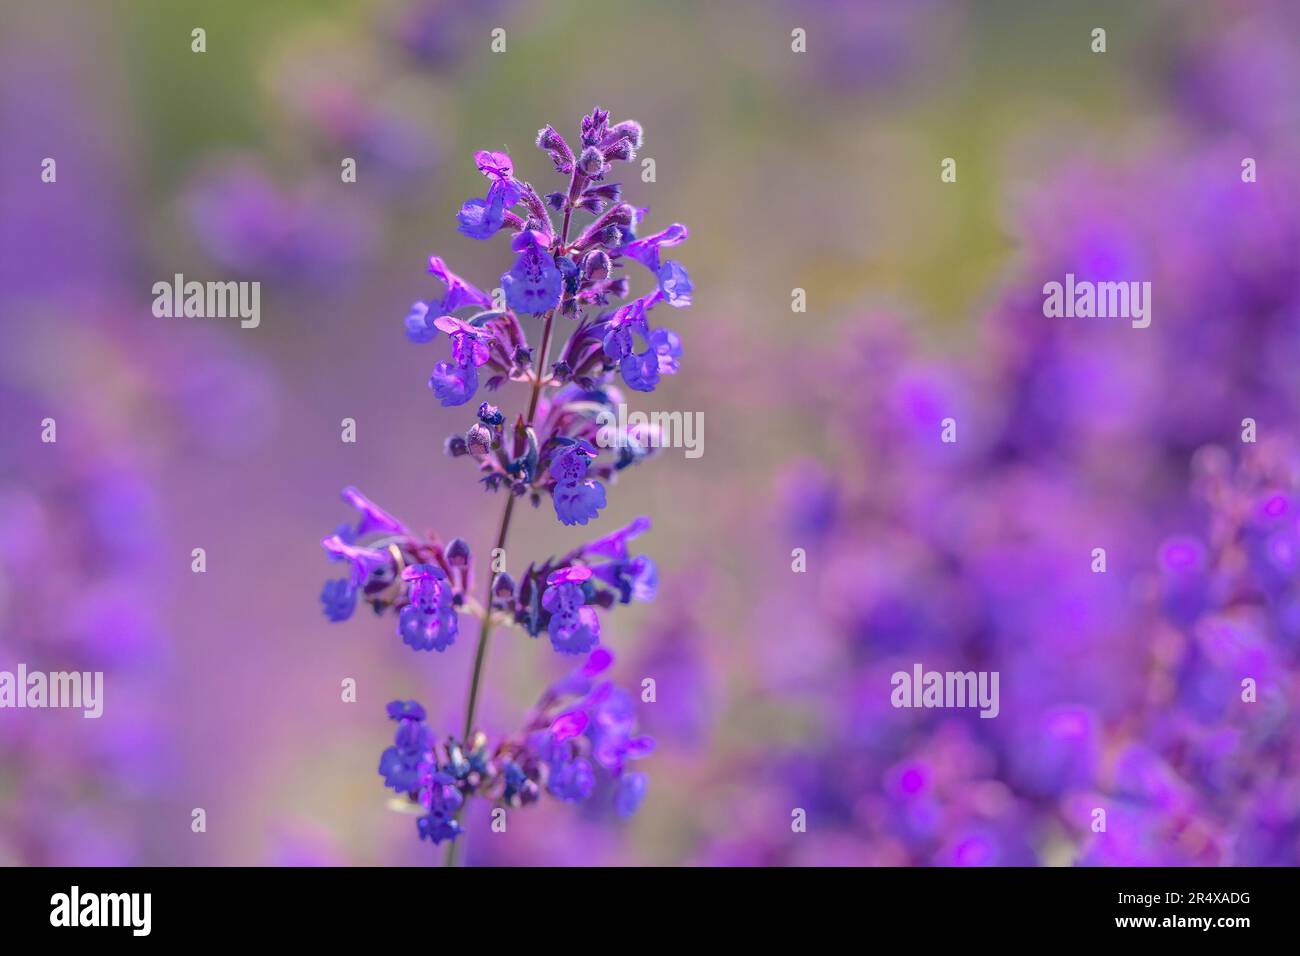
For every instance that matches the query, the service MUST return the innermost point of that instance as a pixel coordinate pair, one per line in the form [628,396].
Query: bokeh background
[816,170]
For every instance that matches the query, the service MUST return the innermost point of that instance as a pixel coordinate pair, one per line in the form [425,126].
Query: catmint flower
[577,499]
[675,284]
[629,793]
[612,729]
[374,519]
[646,251]
[443,800]
[574,628]
[429,621]
[500,172]
[460,294]
[455,382]
[481,218]
[534,283]
[641,371]
[418,327]
[340,599]
[404,764]
[571,780]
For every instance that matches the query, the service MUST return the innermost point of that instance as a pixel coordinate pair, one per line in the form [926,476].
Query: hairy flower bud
[458,553]
[596,265]
[555,146]
[479,441]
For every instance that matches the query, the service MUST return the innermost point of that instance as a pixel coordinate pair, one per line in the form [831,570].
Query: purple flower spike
[577,740]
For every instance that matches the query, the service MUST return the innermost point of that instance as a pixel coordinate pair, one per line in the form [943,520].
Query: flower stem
[485,629]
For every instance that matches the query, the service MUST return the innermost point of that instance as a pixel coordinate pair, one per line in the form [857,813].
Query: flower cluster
[579,738]
[582,281]
[575,745]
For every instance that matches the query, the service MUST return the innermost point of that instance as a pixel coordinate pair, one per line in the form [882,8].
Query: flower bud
[479,441]
[596,265]
[458,552]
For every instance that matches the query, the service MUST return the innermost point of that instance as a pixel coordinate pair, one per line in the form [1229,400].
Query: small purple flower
[500,172]
[577,502]
[418,327]
[577,499]
[628,793]
[574,628]
[675,284]
[443,800]
[429,622]
[634,579]
[455,382]
[571,780]
[646,251]
[339,598]
[404,764]
[534,283]
[667,345]
[374,519]
[640,372]
[612,727]
[460,294]
[481,218]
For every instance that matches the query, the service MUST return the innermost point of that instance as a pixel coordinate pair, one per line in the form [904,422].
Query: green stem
[485,629]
